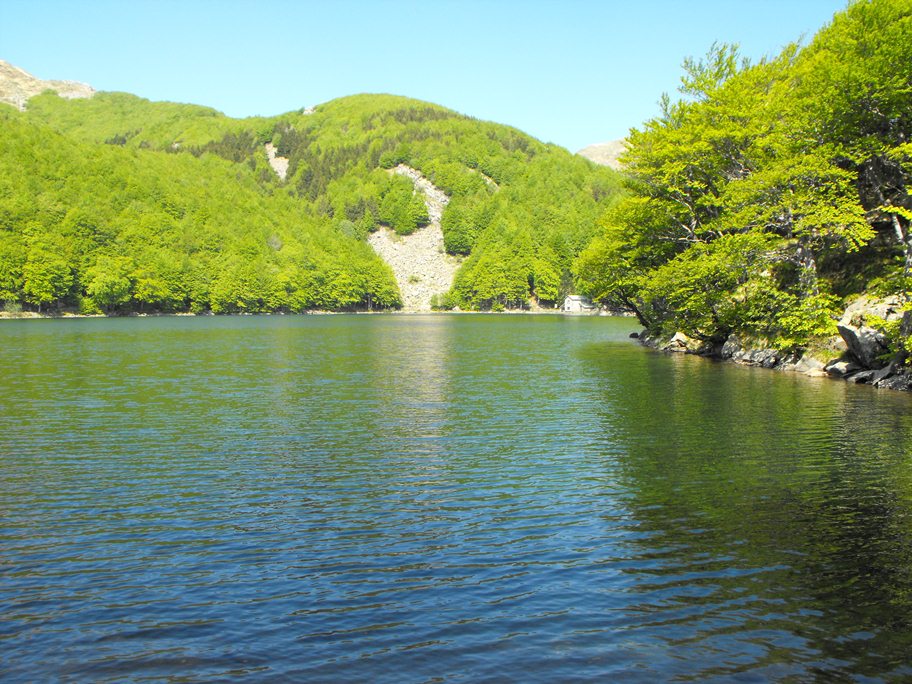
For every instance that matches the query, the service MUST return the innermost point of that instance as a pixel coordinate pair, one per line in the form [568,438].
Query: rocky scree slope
[419,261]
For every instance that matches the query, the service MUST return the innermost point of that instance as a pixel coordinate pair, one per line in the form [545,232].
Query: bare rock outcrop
[278,164]
[17,86]
[867,344]
[606,153]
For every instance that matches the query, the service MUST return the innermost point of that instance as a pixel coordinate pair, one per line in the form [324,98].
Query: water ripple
[439,498]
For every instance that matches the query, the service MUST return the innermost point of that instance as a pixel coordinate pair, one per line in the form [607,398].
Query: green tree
[109,282]
[758,193]
[47,277]
[12,261]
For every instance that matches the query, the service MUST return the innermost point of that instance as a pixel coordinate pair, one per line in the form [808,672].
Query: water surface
[440,498]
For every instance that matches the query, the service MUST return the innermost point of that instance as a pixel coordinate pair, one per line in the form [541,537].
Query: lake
[440,498]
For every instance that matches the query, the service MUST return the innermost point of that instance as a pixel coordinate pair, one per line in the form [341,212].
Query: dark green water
[451,498]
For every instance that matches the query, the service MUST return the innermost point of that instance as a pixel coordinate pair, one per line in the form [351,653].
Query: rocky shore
[859,354]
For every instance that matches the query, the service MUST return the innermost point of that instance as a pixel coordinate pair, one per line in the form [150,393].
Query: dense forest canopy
[117,204]
[769,193]
[116,230]
[519,210]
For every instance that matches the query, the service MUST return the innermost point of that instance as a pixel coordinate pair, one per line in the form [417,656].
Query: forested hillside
[118,204]
[770,194]
[107,229]
[520,209]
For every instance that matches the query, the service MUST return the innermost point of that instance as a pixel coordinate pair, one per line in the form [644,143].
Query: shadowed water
[440,498]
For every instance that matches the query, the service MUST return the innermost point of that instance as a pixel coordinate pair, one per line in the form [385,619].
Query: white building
[578,304]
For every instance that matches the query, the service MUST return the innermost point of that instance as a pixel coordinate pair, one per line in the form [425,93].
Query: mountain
[606,153]
[117,204]
[17,86]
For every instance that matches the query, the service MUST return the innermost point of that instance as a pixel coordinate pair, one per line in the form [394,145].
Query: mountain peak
[17,86]
[606,153]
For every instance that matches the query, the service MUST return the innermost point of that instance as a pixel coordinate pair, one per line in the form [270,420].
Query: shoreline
[34,315]
[840,365]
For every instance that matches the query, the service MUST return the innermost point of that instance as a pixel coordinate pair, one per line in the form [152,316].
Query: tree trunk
[808,278]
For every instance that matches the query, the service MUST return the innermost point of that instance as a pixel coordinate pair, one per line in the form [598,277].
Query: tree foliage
[768,191]
[112,229]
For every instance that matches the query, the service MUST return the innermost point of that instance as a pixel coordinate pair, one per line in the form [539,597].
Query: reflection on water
[775,511]
[418,497]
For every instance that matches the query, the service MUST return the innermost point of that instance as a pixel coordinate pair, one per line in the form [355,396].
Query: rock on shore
[860,354]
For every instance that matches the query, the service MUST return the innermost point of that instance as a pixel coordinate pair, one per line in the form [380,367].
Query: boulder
[735,350]
[679,343]
[901,379]
[682,343]
[731,347]
[809,365]
[767,358]
[856,313]
[861,377]
[866,344]
[840,368]
[883,374]
[648,339]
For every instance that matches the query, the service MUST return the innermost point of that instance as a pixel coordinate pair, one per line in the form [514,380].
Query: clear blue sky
[572,72]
